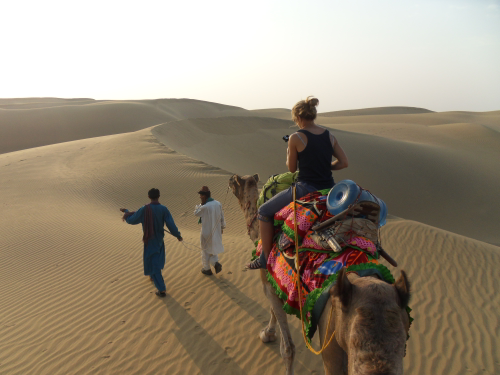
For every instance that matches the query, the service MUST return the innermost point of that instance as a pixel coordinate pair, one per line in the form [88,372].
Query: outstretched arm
[136,218]
[169,222]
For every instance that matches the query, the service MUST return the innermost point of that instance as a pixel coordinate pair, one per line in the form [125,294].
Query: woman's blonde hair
[305,109]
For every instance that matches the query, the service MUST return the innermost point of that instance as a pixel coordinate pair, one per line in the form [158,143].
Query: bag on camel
[276,184]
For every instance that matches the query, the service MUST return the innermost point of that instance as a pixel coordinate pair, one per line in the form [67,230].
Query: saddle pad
[318,267]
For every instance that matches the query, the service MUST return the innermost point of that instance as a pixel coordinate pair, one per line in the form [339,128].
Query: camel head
[371,322]
[246,191]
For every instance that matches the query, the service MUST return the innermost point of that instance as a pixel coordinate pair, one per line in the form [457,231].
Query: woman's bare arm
[339,154]
[291,153]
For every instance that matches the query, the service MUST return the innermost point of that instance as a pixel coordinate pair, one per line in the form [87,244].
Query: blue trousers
[280,200]
[158,281]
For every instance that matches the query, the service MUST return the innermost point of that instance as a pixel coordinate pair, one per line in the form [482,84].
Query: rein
[297,267]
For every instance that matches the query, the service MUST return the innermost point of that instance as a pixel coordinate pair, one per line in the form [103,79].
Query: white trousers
[208,259]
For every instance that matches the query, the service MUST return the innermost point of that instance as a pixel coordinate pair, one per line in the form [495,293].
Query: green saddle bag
[276,184]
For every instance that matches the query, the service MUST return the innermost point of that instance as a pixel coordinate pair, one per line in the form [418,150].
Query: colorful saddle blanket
[318,267]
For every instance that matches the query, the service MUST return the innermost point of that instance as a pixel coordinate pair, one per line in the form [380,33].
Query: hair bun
[305,109]
[312,101]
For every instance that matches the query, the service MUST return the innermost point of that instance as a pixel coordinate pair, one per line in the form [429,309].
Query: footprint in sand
[105,356]
[229,273]
[227,360]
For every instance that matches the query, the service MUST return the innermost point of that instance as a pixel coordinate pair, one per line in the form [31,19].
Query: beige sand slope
[448,179]
[73,299]
[377,111]
[26,123]
[285,114]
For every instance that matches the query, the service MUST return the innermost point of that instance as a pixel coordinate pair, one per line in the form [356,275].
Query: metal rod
[326,223]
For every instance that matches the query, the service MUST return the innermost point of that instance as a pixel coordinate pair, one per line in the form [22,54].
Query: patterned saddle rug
[318,266]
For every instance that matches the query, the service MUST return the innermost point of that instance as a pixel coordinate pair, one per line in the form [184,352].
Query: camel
[369,317]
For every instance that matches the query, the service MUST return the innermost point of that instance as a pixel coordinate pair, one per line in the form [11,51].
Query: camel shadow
[205,352]
[257,312]
[251,307]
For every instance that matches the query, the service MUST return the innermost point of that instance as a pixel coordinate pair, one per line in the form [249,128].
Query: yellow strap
[297,267]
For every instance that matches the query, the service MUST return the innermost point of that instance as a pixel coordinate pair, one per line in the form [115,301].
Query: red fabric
[148,227]
[149,230]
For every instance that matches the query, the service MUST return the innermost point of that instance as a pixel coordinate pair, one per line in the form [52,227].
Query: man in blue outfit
[152,217]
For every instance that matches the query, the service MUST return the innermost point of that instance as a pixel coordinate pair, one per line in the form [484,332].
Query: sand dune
[377,111]
[438,183]
[490,119]
[286,113]
[73,299]
[30,103]
[61,121]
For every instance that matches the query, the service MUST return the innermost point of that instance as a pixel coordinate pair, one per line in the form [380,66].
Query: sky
[439,55]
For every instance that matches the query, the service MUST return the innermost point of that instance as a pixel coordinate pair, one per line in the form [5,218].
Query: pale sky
[440,55]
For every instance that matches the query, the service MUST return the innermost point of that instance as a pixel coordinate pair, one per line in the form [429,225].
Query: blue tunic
[154,252]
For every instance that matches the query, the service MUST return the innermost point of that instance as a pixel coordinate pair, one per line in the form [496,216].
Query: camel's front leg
[268,334]
[287,347]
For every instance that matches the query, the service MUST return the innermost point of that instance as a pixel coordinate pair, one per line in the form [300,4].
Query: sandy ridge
[73,298]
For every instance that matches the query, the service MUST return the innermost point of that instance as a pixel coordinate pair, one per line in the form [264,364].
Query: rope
[227,191]
[325,343]
[183,243]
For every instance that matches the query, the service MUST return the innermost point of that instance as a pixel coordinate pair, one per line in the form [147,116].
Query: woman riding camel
[311,148]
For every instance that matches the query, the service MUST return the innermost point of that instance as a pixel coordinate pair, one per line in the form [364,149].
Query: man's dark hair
[154,193]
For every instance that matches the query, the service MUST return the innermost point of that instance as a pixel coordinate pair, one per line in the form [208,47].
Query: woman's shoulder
[318,130]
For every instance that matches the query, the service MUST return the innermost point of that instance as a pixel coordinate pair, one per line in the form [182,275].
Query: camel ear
[342,288]
[402,286]
[256,177]
[236,179]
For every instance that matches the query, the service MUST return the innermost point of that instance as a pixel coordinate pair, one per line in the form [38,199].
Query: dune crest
[73,299]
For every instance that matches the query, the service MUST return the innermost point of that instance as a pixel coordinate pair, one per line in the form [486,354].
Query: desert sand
[73,299]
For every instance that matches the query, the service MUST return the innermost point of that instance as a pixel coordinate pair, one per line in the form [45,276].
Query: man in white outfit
[212,224]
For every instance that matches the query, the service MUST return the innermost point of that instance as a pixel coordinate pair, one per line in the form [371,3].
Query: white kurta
[212,223]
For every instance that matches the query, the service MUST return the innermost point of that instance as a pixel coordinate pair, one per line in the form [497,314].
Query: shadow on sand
[205,352]
[260,314]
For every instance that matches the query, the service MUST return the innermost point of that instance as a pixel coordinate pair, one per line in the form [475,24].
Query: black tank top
[315,161]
